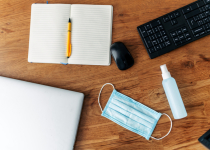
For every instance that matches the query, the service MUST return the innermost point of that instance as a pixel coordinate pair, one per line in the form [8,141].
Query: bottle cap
[165,73]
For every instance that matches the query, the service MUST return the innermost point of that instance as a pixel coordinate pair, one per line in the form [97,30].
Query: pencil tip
[69,20]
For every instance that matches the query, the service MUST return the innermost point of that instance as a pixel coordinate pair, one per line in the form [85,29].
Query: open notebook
[90,33]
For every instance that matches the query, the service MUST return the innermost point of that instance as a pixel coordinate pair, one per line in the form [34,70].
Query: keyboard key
[207,26]
[207,6]
[143,31]
[200,3]
[155,29]
[149,32]
[176,14]
[202,33]
[173,34]
[196,35]
[187,35]
[179,31]
[162,45]
[203,15]
[194,6]
[206,1]
[158,35]
[196,18]
[166,18]
[198,30]
[147,27]
[181,37]
[155,23]
[192,23]
[171,16]
[176,39]
[202,9]
[207,13]
[157,47]
[167,43]
[186,10]
[160,40]
[160,27]
[152,50]
[184,29]
[174,21]
[152,37]
[200,23]
[148,42]
[165,38]
[163,32]
[193,13]
[207,20]
[154,42]
[188,39]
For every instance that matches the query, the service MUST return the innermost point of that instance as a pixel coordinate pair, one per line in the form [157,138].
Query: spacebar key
[192,23]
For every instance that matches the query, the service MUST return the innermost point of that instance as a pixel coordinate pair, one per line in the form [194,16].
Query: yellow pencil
[68,50]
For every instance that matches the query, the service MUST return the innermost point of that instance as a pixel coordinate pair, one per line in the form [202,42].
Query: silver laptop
[37,117]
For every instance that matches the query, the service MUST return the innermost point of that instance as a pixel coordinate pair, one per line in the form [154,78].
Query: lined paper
[91,34]
[48,33]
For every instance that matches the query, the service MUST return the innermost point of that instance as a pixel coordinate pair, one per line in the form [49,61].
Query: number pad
[149,32]
[180,36]
[155,36]
[155,30]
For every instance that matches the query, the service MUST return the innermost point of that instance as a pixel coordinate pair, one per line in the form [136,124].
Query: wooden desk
[189,65]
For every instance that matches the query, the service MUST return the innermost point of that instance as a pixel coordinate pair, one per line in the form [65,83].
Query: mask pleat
[136,105]
[128,122]
[136,116]
[132,110]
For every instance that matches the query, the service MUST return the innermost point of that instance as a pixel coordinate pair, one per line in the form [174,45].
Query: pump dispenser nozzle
[165,73]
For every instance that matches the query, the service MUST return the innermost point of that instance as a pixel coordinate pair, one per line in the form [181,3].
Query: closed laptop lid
[37,117]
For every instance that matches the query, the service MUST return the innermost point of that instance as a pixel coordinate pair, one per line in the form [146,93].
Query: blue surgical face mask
[131,114]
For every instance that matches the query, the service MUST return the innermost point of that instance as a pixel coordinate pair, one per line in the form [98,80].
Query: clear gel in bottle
[173,94]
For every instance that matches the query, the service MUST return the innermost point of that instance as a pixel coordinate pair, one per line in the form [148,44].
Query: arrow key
[192,23]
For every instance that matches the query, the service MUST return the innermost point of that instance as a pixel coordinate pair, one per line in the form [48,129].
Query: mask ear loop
[100,94]
[168,131]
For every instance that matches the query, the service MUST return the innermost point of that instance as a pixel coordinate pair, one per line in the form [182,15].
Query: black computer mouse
[121,55]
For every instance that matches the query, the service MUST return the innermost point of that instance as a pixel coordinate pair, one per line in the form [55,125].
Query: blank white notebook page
[48,33]
[91,34]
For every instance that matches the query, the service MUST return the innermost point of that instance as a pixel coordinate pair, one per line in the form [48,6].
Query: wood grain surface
[189,65]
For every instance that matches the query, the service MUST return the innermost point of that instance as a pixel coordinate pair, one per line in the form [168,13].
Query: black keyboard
[176,29]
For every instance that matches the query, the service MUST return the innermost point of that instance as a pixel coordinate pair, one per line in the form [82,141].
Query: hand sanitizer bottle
[172,94]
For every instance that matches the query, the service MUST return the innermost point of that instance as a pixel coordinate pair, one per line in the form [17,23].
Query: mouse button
[120,63]
[116,55]
[127,56]
[119,60]
[115,46]
[129,60]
